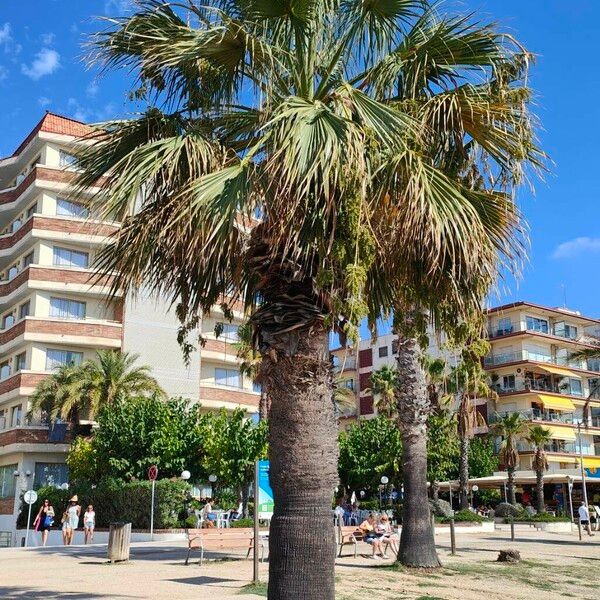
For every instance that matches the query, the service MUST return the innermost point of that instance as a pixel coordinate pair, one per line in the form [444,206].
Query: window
[24,310]
[31,210]
[504,326]
[8,320]
[13,272]
[71,209]
[348,384]
[63,308]
[50,474]
[8,481]
[58,358]
[228,377]
[4,370]
[256,387]
[508,382]
[575,387]
[20,361]
[65,159]
[16,224]
[571,332]
[70,258]
[383,351]
[535,324]
[28,260]
[17,416]
[229,331]
[593,364]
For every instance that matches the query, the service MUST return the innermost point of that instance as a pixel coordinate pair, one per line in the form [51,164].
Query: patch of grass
[258,589]
[424,584]
[430,598]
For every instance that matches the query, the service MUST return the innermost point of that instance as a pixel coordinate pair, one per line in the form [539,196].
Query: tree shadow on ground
[20,592]
[204,580]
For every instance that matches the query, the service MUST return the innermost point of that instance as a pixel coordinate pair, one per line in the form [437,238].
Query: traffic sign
[30,497]
[153,473]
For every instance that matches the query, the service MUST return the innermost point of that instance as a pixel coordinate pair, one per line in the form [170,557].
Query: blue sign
[593,472]
[265,493]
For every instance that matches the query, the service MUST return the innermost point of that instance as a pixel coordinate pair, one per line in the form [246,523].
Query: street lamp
[570,491]
[474,488]
[384,481]
[185,475]
[212,479]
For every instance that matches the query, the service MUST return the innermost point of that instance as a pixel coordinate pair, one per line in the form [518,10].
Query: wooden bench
[348,536]
[222,539]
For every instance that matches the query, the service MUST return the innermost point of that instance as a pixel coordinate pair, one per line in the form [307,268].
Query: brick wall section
[70,226]
[232,396]
[11,240]
[7,506]
[365,358]
[27,435]
[20,380]
[61,328]
[11,195]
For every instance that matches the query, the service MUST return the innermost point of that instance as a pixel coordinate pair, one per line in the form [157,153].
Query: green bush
[466,516]
[115,500]
[243,523]
[542,517]
[191,522]
[372,505]
[505,510]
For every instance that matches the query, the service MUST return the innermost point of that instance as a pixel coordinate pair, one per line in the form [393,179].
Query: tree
[137,433]
[483,460]
[511,428]
[539,436]
[383,386]
[370,449]
[442,448]
[232,445]
[83,461]
[74,390]
[255,104]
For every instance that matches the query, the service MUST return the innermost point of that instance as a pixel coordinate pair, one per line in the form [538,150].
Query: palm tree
[76,390]
[539,436]
[510,427]
[293,108]
[383,388]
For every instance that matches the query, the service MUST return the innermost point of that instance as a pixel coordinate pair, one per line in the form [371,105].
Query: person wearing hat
[71,520]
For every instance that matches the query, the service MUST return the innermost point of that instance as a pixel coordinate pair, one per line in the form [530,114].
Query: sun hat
[74,499]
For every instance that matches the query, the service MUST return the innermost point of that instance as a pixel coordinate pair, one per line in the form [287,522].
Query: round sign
[30,497]
[153,473]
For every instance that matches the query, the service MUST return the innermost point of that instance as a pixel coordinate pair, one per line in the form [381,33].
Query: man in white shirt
[584,518]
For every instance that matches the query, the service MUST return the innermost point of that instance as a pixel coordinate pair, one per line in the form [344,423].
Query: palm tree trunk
[464,473]
[539,485]
[435,489]
[417,545]
[244,500]
[303,469]
[263,405]
[512,498]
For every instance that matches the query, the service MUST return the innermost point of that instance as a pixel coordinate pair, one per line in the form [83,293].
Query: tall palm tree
[511,428]
[539,436]
[383,388]
[292,107]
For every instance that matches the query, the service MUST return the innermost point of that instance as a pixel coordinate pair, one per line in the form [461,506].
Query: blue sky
[41,68]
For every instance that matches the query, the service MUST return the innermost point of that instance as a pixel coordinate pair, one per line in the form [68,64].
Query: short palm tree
[293,107]
[511,428]
[383,388]
[540,437]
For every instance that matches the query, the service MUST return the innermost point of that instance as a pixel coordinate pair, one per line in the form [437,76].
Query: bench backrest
[220,538]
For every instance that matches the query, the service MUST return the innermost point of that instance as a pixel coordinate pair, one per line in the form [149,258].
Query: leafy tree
[232,444]
[442,448]
[383,387]
[370,449]
[483,460]
[84,462]
[263,103]
[137,433]
[540,437]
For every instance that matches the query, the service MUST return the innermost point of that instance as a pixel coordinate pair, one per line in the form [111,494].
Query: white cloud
[577,246]
[45,63]
[48,38]
[5,34]
[44,101]
[3,73]
[119,7]
[92,89]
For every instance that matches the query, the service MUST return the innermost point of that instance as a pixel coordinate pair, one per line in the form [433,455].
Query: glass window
[4,370]
[256,387]
[229,331]
[508,382]
[24,309]
[65,159]
[20,361]
[228,377]
[16,224]
[504,326]
[71,209]
[8,481]
[8,321]
[58,358]
[535,324]
[31,210]
[575,386]
[70,258]
[383,351]
[63,308]
[28,260]
[50,474]
[571,332]
[17,414]
[13,272]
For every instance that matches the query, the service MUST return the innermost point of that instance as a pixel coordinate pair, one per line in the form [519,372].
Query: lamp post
[384,482]
[212,479]
[585,497]
[474,488]
[570,492]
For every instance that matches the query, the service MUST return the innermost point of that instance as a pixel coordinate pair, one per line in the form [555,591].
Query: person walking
[89,523]
[584,518]
[44,520]
[72,520]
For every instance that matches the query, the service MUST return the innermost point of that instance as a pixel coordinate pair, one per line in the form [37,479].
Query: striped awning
[556,403]
[562,433]
[559,371]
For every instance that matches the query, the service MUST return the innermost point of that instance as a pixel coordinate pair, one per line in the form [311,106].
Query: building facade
[532,369]
[52,313]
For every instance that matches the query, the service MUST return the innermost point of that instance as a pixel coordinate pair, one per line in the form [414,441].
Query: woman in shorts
[89,522]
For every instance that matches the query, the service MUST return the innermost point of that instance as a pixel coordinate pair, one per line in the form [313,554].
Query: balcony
[34,431]
[530,385]
[494,360]
[538,415]
[347,363]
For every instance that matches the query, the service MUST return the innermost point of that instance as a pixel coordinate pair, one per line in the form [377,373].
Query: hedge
[115,500]
[543,517]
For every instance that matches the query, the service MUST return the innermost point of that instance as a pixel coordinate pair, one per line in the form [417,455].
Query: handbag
[48,521]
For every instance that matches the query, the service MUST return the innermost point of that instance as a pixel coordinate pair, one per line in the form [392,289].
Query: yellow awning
[591,462]
[556,403]
[562,459]
[559,371]
[561,433]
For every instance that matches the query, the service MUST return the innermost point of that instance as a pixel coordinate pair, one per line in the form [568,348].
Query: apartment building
[532,369]
[52,313]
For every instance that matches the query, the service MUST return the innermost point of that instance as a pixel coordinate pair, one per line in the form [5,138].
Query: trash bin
[119,538]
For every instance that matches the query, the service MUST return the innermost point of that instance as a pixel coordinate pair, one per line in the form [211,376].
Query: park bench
[222,539]
[347,536]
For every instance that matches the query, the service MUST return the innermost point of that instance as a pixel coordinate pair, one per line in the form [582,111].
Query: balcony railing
[535,414]
[516,327]
[537,386]
[511,357]
[348,363]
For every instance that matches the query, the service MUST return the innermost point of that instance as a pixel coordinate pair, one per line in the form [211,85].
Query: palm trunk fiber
[512,497]
[464,473]
[417,545]
[303,470]
[539,486]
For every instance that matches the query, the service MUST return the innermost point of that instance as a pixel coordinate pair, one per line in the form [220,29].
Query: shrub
[243,523]
[441,508]
[505,510]
[115,500]
[466,516]
[191,522]
[542,517]
[372,505]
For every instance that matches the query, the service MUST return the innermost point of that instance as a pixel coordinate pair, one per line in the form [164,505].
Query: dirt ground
[553,566]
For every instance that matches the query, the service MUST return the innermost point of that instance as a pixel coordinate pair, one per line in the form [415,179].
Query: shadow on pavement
[21,592]
[203,580]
